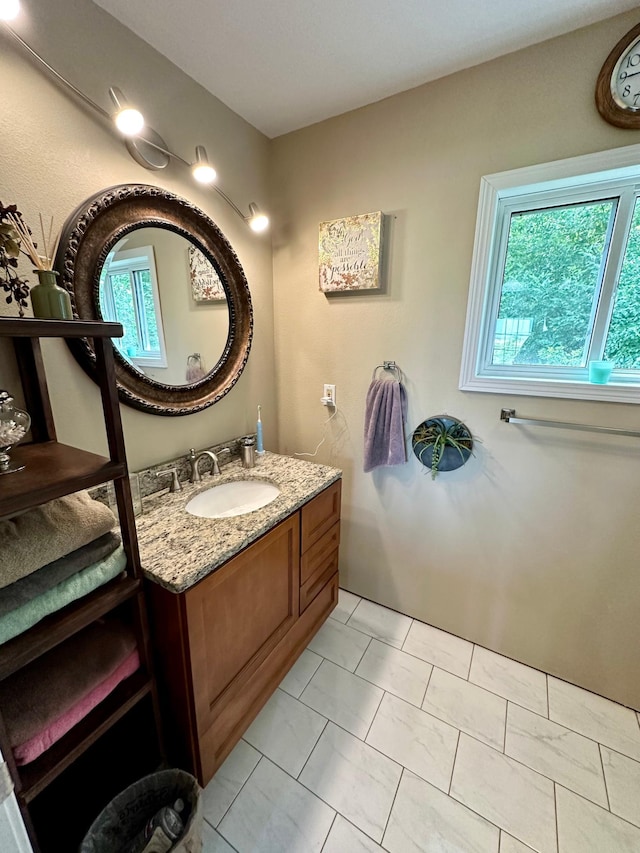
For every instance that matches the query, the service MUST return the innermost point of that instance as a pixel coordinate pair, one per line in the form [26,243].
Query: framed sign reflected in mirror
[125,256]
[206,285]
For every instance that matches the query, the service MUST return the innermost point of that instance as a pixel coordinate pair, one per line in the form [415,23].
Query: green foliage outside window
[623,342]
[552,276]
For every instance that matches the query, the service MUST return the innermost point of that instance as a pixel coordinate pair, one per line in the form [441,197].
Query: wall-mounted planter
[442,443]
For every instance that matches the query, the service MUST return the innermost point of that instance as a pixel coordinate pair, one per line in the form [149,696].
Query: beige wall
[531,549]
[54,153]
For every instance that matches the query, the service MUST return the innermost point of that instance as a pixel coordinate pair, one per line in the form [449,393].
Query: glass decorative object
[14,425]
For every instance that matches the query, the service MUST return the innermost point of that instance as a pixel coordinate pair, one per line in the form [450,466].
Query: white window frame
[135,260]
[603,173]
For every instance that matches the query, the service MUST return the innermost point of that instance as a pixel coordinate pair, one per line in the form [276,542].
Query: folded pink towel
[42,701]
[46,737]
[385,413]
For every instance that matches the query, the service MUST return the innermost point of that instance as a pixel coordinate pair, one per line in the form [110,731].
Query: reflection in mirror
[170,301]
[188,312]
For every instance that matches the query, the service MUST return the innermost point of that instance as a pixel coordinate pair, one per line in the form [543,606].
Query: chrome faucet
[194,459]
[174,486]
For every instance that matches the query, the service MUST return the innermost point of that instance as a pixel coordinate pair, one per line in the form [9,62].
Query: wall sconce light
[143,143]
[128,119]
[9,9]
[202,170]
[257,220]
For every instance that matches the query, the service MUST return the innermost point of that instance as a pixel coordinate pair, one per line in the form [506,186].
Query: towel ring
[388,365]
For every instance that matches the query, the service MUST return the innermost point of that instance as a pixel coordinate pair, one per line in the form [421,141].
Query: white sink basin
[229,499]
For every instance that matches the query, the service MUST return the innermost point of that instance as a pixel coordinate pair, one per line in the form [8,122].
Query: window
[129,295]
[555,280]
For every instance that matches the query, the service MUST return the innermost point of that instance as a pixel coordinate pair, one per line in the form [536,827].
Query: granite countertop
[178,549]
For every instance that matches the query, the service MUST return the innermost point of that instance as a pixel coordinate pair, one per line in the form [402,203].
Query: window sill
[613,392]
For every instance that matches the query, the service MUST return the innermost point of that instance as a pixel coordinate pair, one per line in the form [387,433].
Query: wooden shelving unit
[53,469]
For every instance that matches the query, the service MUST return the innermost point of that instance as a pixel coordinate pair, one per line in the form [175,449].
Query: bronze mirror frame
[88,236]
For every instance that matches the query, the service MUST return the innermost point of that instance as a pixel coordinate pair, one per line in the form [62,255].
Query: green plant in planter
[442,444]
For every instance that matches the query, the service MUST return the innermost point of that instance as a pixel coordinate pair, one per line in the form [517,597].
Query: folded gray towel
[38,537]
[385,413]
[26,589]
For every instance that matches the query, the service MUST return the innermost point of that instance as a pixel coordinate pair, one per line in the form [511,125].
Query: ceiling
[287,64]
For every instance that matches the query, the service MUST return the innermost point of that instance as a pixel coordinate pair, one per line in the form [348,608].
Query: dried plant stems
[40,262]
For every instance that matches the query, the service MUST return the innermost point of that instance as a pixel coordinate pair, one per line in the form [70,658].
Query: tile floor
[390,735]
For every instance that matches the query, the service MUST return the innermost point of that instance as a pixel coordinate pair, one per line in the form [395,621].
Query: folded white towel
[44,534]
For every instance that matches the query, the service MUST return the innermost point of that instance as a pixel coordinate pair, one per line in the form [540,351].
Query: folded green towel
[38,537]
[77,586]
[26,589]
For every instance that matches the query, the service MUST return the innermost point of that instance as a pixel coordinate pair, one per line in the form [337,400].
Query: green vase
[48,299]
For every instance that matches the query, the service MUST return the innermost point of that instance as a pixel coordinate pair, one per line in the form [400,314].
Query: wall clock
[618,84]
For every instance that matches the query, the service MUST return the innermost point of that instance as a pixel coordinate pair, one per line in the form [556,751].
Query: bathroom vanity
[234,601]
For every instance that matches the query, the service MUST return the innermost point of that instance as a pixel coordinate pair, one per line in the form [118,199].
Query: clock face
[618,83]
[625,79]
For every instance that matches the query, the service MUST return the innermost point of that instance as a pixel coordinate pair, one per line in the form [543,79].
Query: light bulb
[257,221]
[202,170]
[9,9]
[129,120]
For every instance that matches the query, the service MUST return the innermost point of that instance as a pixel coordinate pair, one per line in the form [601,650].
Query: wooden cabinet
[52,470]
[225,644]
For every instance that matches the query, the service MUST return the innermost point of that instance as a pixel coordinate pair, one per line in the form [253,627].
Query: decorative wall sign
[350,253]
[206,285]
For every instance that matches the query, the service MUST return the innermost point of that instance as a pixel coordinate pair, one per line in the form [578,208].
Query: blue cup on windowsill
[600,372]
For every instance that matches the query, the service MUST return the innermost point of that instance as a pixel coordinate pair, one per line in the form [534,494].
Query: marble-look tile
[347,603]
[229,779]
[395,671]
[623,784]
[340,644]
[512,845]
[439,648]
[300,673]
[521,684]
[556,752]
[512,796]
[416,740]
[380,622]
[595,717]
[467,706]
[273,812]
[213,842]
[286,731]
[424,820]
[343,697]
[353,778]
[586,828]
[345,838]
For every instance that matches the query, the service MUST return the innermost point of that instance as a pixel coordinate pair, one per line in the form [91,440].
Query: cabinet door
[238,614]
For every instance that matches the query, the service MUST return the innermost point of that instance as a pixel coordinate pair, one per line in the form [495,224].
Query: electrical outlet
[329,395]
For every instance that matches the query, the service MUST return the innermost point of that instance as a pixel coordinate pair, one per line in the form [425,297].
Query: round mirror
[158,265]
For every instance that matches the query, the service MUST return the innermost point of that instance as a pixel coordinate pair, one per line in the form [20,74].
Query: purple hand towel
[384,418]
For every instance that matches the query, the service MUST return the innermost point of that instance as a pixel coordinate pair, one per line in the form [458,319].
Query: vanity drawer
[315,557]
[318,580]
[319,515]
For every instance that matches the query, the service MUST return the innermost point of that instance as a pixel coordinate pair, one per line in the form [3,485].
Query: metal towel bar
[509,417]
[388,365]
